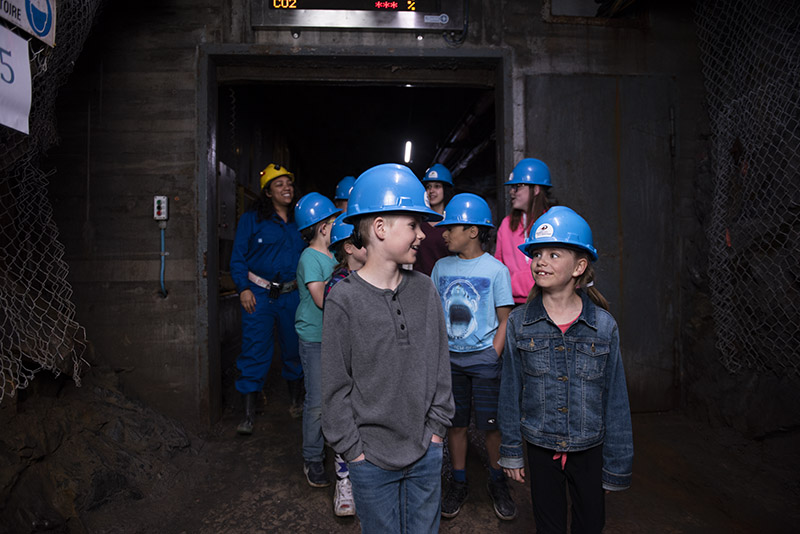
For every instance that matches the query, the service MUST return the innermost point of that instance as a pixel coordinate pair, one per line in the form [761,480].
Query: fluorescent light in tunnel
[407,156]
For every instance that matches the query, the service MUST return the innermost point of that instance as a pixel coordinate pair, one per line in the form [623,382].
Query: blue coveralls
[270,249]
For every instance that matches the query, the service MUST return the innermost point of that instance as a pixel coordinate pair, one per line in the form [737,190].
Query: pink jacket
[519,265]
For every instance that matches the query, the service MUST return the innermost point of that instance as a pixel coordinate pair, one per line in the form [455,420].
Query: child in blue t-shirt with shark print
[475,289]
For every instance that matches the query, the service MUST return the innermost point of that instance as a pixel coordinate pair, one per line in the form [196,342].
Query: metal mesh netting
[37,326]
[751,63]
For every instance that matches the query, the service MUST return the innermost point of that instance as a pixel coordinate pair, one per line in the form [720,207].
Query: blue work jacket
[269,248]
[565,391]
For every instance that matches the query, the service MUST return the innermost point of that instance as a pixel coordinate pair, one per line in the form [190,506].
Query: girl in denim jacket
[563,386]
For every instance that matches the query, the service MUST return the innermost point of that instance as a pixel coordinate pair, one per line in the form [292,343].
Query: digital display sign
[430,6]
[417,15]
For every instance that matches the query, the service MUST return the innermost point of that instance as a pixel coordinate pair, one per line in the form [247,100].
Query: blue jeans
[406,501]
[313,442]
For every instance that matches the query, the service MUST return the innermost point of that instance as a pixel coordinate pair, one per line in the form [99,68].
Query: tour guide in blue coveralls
[264,260]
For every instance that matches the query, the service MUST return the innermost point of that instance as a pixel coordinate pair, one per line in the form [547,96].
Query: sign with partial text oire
[37,17]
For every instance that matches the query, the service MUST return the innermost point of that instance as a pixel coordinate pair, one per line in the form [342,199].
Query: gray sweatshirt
[385,370]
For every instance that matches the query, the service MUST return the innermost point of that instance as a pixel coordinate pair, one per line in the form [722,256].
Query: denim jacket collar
[535,311]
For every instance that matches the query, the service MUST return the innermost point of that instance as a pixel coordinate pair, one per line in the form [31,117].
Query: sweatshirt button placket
[400,313]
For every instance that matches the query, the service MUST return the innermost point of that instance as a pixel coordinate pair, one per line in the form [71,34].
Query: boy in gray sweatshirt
[386,394]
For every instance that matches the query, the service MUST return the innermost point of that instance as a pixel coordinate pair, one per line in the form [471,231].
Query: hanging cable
[163,226]
[449,37]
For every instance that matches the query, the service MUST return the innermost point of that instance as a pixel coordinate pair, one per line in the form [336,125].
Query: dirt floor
[147,476]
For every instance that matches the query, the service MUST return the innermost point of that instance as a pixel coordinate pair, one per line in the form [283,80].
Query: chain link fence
[37,318]
[750,53]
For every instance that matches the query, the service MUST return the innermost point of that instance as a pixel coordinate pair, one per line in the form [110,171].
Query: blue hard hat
[340,231]
[466,208]
[344,187]
[438,173]
[313,208]
[530,171]
[389,187]
[560,226]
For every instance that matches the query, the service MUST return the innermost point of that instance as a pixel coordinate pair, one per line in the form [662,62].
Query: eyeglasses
[515,187]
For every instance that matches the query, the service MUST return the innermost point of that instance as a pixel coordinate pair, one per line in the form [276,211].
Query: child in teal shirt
[314,214]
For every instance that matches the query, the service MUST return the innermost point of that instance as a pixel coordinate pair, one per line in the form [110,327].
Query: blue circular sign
[41,21]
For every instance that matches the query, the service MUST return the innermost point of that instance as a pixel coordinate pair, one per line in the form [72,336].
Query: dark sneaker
[315,474]
[454,498]
[504,505]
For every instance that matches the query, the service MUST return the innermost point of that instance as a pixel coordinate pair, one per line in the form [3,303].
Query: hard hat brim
[527,248]
[426,214]
[454,222]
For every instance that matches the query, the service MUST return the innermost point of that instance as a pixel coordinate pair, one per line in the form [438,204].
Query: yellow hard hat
[272,171]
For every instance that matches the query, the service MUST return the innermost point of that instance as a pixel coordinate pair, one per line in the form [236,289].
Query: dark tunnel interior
[332,131]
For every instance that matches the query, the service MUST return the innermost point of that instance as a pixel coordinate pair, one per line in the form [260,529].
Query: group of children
[399,360]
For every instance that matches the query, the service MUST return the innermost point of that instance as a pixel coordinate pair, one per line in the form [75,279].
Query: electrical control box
[160,212]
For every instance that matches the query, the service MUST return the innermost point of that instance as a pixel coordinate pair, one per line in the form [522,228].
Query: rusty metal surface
[607,141]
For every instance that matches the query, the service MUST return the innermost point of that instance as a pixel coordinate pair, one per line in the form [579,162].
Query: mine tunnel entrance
[327,118]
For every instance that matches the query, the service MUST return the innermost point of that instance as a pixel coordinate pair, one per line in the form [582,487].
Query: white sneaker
[343,504]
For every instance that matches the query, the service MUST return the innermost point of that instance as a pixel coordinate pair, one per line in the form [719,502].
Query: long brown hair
[341,254]
[585,283]
[537,204]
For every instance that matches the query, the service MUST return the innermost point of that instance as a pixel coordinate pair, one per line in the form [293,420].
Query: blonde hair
[362,229]
[585,282]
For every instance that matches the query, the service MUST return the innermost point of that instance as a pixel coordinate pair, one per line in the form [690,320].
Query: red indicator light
[386,5]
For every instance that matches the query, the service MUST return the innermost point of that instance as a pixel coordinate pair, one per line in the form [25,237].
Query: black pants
[548,492]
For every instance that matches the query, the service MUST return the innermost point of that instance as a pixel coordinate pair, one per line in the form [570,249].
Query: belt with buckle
[280,287]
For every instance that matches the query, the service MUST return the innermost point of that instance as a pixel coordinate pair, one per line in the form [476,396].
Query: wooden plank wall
[127,121]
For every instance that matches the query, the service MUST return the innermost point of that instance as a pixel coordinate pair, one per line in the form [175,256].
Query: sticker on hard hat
[433,174]
[510,176]
[544,230]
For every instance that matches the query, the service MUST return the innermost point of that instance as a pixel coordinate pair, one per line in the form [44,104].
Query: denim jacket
[565,392]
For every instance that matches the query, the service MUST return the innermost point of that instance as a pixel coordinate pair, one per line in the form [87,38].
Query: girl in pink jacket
[529,186]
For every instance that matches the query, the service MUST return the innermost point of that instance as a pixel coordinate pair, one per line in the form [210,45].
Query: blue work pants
[258,340]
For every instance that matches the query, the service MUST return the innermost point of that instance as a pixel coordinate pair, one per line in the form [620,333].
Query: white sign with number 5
[15,80]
